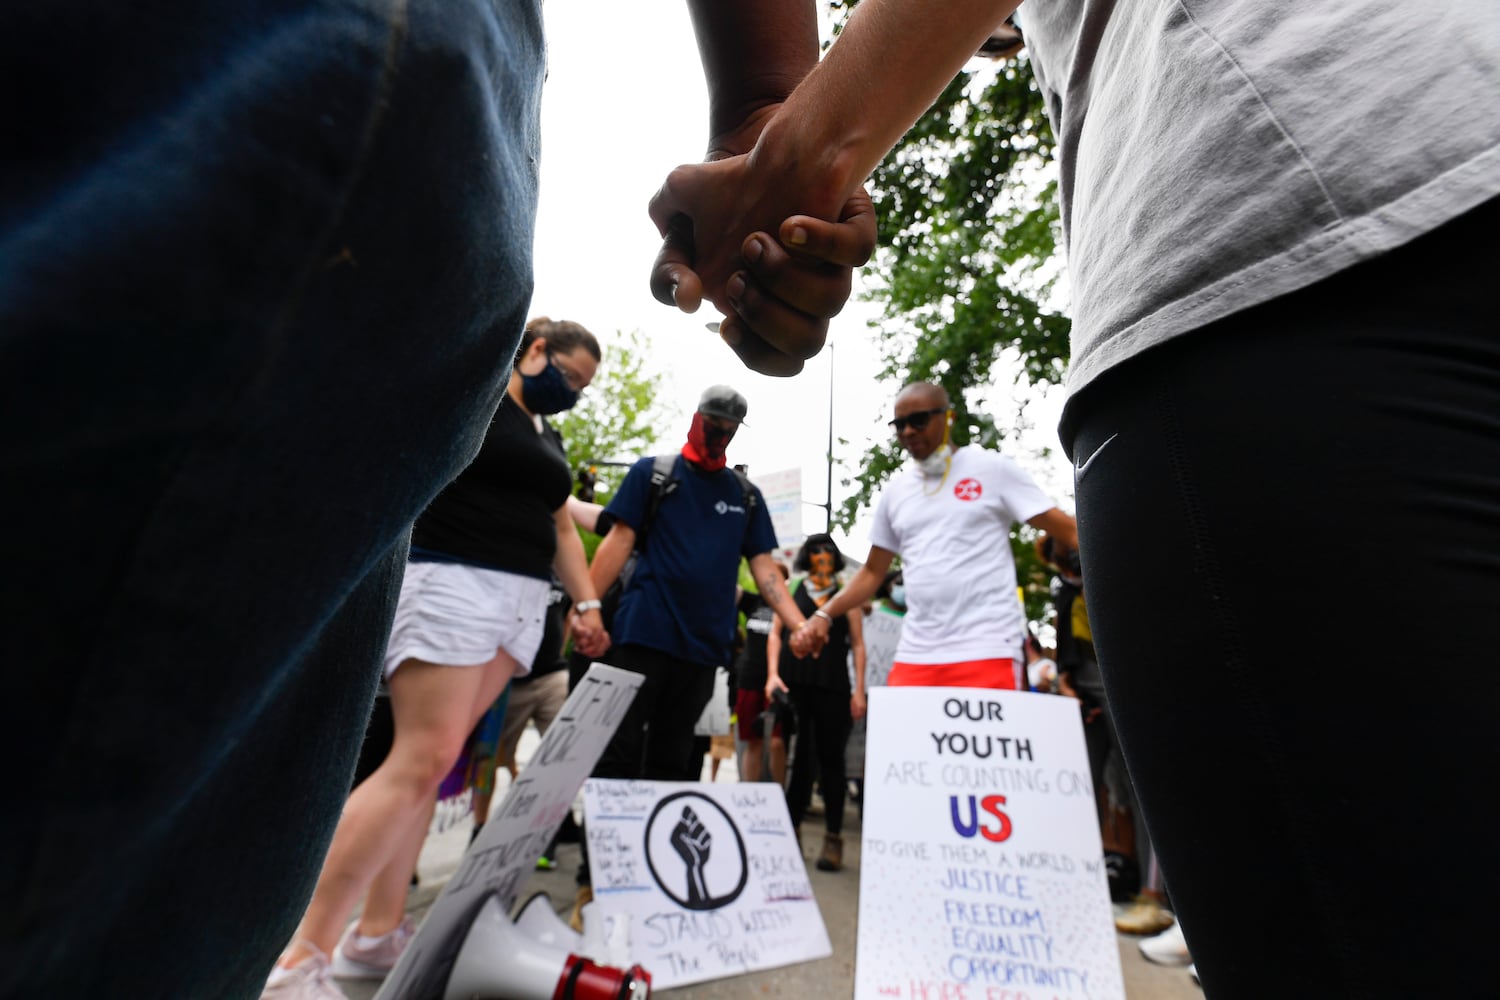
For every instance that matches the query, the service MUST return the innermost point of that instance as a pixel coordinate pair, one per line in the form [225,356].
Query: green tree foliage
[966,262]
[618,417]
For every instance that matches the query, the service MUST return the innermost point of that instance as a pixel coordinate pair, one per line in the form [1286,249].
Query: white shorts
[460,616]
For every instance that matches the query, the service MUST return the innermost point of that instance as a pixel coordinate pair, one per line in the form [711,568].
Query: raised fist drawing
[692,841]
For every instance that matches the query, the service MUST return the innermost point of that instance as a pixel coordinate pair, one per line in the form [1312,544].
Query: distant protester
[752,708]
[963,625]
[470,617]
[822,693]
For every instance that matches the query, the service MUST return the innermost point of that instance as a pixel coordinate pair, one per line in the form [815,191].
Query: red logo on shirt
[967,489]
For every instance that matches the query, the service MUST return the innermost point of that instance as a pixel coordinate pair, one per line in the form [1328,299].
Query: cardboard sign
[882,636]
[982,874]
[519,828]
[709,877]
[782,492]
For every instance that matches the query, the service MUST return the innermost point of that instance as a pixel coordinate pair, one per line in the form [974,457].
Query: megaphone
[531,959]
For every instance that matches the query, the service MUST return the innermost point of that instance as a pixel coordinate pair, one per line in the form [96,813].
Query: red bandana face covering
[706,444]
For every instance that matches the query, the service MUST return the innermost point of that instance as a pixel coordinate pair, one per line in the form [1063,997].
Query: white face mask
[935,464]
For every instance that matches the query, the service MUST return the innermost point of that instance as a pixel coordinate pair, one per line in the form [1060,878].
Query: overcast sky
[623,104]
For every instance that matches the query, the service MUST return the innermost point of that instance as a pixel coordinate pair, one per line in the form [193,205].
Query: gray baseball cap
[722,401]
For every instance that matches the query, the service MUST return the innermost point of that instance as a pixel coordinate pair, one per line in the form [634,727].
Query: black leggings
[1290,525]
[823,724]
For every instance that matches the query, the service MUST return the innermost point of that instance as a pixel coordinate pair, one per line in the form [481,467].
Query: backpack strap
[663,484]
[752,498]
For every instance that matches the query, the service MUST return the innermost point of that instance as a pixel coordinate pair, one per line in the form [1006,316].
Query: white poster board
[520,827]
[709,876]
[982,874]
[882,636]
[783,494]
[882,633]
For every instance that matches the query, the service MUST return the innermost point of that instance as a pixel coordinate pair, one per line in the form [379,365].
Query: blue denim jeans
[263,268]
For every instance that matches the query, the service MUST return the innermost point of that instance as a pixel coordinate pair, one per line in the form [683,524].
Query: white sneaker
[307,980]
[1167,948]
[359,957]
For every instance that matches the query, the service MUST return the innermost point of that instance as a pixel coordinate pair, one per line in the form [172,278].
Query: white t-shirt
[953,537]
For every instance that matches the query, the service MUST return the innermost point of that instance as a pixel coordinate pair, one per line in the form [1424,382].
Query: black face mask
[548,391]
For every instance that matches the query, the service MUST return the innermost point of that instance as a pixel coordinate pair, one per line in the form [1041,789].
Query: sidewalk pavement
[838,899]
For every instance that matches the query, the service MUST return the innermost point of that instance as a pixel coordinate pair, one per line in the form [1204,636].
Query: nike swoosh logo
[1083,466]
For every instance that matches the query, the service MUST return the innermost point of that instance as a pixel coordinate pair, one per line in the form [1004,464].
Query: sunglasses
[917,420]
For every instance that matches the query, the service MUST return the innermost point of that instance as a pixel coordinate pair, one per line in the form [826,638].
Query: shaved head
[928,394]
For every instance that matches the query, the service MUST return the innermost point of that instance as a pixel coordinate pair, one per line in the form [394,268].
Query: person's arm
[572,568]
[774,682]
[753,56]
[858,590]
[773,590]
[893,58]
[610,556]
[1061,525]
[857,646]
[584,513]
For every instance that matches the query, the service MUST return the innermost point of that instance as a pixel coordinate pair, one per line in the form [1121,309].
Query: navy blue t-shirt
[681,599]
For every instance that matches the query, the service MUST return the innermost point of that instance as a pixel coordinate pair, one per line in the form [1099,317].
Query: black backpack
[663,484]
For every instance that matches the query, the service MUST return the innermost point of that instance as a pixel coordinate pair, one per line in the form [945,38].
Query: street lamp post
[828,505]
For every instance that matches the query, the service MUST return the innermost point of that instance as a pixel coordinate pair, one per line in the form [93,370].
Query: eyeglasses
[917,420]
[575,381]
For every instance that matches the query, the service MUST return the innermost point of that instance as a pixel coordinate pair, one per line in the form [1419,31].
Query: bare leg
[778,760]
[750,760]
[482,806]
[435,707]
[385,903]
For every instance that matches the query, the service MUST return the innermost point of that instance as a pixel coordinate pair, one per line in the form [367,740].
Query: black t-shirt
[830,668]
[498,513]
[750,667]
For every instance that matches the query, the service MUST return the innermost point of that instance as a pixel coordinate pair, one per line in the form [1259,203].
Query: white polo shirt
[953,536]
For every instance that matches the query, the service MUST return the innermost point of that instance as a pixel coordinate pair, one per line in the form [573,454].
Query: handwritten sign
[782,492]
[982,874]
[518,830]
[709,876]
[882,636]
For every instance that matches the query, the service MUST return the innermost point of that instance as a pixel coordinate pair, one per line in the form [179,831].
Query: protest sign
[709,877]
[882,635]
[982,874]
[782,492]
[520,827]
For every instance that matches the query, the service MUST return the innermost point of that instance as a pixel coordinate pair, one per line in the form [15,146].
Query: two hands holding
[587,629]
[808,639]
[775,258]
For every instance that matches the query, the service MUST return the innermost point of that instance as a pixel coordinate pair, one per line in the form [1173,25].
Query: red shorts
[748,706]
[999,674]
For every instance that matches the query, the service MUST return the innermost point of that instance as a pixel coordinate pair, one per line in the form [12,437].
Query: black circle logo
[694,850]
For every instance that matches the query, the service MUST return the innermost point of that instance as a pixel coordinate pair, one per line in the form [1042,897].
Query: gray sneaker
[354,959]
[308,980]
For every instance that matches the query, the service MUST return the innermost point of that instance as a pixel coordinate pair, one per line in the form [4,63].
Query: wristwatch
[820,613]
[583,606]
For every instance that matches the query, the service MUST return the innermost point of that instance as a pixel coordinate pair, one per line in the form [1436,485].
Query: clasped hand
[589,635]
[777,293]
[810,638]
